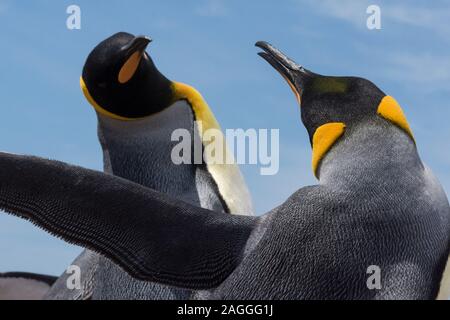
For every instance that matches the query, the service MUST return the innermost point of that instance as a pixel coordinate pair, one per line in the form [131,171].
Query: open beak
[289,70]
[135,51]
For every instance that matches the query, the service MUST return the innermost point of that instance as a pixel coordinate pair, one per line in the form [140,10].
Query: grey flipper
[24,286]
[150,235]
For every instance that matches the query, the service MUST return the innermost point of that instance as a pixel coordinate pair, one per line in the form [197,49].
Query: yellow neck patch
[227,176]
[200,107]
[391,111]
[323,139]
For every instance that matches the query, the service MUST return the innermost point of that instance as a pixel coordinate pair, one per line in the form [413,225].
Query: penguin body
[376,207]
[136,120]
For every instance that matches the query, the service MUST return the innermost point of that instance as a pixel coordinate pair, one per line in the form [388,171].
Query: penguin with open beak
[376,207]
[138,111]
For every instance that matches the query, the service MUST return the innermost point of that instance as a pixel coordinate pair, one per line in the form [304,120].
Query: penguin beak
[134,51]
[138,44]
[289,70]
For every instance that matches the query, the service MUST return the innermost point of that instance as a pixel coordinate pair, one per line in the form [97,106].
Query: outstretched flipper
[24,286]
[151,235]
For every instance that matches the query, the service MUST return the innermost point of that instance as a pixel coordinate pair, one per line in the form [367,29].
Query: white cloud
[212,8]
[348,10]
[424,68]
[434,18]
[428,70]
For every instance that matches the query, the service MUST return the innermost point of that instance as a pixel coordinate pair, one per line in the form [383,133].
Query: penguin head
[332,105]
[121,81]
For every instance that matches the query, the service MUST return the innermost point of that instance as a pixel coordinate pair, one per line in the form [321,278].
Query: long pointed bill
[288,69]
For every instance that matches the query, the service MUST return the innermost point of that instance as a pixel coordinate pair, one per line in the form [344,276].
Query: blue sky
[209,44]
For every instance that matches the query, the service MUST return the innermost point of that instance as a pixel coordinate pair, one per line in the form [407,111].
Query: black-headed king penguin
[138,108]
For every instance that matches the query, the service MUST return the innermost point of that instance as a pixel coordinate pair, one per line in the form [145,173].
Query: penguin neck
[140,150]
[372,154]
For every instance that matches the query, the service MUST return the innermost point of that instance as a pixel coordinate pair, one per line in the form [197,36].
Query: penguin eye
[102,85]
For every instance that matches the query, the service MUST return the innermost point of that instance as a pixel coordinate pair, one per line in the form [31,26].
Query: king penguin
[376,226]
[138,110]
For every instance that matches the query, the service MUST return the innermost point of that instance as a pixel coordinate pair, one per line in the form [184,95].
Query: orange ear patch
[391,111]
[324,138]
[129,67]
